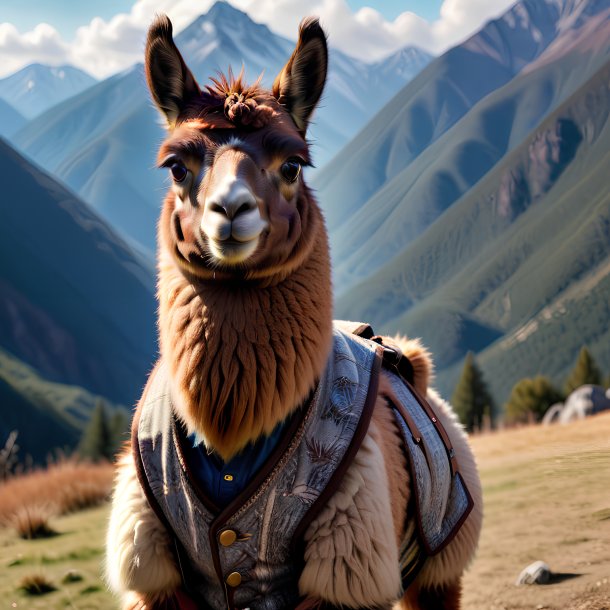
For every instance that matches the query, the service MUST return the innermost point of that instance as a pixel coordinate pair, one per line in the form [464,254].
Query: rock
[584,401]
[553,413]
[537,573]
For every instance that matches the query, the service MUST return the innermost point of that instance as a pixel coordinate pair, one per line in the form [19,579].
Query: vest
[250,554]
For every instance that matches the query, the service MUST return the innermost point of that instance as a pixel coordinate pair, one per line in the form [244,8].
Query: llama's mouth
[232,251]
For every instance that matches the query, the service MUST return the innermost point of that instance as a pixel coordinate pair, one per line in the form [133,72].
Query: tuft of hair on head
[171,83]
[298,87]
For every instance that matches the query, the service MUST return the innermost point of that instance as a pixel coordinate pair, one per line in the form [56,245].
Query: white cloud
[104,47]
[42,44]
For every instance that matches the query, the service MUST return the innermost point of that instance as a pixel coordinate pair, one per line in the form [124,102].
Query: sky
[104,37]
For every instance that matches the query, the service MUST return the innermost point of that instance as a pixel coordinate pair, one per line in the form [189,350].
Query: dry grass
[32,522]
[546,496]
[61,488]
[71,561]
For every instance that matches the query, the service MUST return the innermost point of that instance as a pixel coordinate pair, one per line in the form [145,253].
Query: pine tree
[531,398]
[471,398]
[97,443]
[119,428]
[585,371]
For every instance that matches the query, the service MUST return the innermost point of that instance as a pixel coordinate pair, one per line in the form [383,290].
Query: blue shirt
[223,481]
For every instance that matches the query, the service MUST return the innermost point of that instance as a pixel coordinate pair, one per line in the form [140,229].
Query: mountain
[440,95]
[37,88]
[76,302]
[103,142]
[412,199]
[517,269]
[10,120]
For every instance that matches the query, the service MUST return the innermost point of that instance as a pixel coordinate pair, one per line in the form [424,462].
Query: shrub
[585,371]
[65,486]
[530,399]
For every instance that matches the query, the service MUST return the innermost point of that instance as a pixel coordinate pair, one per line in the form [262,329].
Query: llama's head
[238,205]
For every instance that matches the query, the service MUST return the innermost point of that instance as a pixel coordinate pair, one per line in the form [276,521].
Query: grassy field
[547,496]
[76,550]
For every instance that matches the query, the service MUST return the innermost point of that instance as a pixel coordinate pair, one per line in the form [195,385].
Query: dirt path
[547,496]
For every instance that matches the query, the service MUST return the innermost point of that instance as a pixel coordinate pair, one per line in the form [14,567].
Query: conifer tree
[585,371]
[531,398]
[471,398]
[97,443]
[119,428]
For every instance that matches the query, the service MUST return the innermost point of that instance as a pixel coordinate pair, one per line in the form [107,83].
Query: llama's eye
[290,170]
[179,172]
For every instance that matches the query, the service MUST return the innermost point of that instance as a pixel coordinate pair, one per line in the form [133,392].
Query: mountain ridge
[38,87]
[92,130]
[96,330]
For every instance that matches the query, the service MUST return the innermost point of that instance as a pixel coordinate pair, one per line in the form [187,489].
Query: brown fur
[436,598]
[244,357]
[421,361]
[245,343]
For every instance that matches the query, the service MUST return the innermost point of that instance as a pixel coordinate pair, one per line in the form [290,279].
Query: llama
[337,516]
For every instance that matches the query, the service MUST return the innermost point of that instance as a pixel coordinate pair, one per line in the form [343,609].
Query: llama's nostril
[219,209]
[231,209]
[243,208]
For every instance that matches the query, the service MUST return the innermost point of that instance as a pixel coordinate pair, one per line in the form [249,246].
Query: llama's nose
[231,201]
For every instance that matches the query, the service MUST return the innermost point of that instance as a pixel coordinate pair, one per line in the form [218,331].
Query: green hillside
[46,415]
[513,248]
[76,301]
[415,197]
[437,99]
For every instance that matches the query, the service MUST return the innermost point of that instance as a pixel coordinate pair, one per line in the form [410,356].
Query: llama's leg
[436,598]
[139,563]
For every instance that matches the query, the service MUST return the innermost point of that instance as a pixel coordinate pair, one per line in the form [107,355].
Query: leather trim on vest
[425,405]
[399,407]
[363,426]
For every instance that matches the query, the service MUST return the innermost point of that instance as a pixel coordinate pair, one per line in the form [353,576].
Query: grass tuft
[602,515]
[36,584]
[32,522]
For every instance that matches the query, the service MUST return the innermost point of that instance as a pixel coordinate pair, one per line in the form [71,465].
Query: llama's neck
[244,357]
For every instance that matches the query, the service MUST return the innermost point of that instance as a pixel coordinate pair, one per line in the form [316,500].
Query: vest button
[233,579]
[227,538]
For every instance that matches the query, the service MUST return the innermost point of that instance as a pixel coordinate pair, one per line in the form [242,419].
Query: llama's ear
[300,83]
[170,82]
